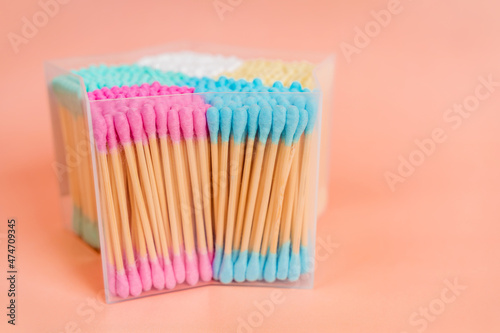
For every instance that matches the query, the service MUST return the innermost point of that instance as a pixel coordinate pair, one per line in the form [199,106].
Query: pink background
[392,251]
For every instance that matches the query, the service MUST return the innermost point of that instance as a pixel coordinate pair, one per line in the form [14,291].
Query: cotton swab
[200,128]
[284,240]
[191,259]
[299,228]
[173,207]
[132,273]
[253,118]
[239,126]
[277,195]
[100,130]
[265,124]
[225,130]
[213,126]
[187,126]
[296,123]
[156,277]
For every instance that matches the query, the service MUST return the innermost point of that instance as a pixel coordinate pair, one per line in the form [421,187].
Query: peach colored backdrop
[387,258]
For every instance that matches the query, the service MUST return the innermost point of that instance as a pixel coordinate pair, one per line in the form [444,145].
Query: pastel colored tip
[270,268]
[173,123]
[157,274]
[200,123]
[283,261]
[253,269]
[292,120]
[186,120]
[100,130]
[253,118]
[169,274]
[205,267]
[294,269]
[303,118]
[136,124]
[240,266]
[122,287]
[225,123]
[145,273]
[122,127]
[192,273]
[111,274]
[111,133]
[312,110]
[265,122]
[179,268]
[235,255]
[239,124]
[217,262]
[226,270]
[304,260]
[279,121]
[213,123]
[134,280]
[149,120]
[161,119]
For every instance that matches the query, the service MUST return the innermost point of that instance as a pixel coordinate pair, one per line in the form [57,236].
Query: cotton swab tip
[192,274]
[173,123]
[226,116]
[279,121]
[217,262]
[100,130]
[265,122]
[239,124]
[270,268]
[186,120]
[253,269]
[169,274]
[134,280]
[122,286]
[304,260]
[136,125]
[122,128]
[213,123]
[157,274]
[200,123]
[179,268]
[240,266]
[303,119]
[145,273]
[292,119]
[283,261]
[148,118]
[205,267]
[226,270]
[253,118]
[161,119]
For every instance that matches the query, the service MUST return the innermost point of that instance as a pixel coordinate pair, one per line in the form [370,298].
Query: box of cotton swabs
[192,168]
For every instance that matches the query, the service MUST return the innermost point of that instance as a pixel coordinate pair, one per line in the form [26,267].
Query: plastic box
[152,167]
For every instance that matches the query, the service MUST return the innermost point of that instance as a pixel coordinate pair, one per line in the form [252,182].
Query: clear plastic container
[146,173]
